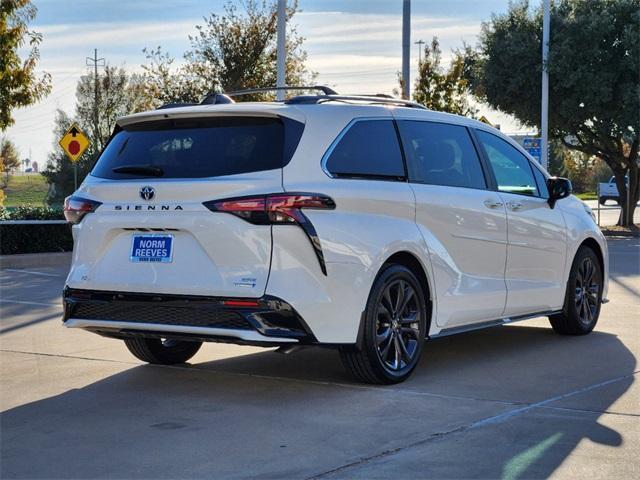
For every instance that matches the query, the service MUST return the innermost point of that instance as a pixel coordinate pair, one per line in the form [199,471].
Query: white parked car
[365,224]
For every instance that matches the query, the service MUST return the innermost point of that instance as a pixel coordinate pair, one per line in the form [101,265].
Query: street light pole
[281,52]
[420,43]
[544,122]
[406,45]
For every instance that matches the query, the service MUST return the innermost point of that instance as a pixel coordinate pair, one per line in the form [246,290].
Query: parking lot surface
[610,213]
[510,402]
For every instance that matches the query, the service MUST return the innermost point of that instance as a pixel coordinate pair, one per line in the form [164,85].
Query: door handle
[515,206]
[493,204]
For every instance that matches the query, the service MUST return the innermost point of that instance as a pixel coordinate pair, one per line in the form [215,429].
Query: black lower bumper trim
[270,316]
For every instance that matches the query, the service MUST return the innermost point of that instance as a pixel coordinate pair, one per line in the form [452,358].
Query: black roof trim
[372,99]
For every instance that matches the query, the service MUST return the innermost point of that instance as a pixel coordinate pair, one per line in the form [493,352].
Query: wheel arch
[413,263]
[595,246]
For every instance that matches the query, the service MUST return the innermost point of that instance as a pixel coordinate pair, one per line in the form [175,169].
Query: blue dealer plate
[152,248]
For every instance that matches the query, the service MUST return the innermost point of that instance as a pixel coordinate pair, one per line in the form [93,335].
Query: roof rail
[175,105]
[321,88]
[216,99]
[373,99]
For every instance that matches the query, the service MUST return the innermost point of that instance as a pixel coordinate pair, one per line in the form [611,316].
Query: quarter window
[369,148]
[542,182]
[511,168]
[441,154]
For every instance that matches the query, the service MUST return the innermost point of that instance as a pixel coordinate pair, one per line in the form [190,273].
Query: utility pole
[95,61]
[420,43]
[406,45]
[281,52]
[544,122]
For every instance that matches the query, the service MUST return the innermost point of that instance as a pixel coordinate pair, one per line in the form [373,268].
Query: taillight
[75,208]
[278,208]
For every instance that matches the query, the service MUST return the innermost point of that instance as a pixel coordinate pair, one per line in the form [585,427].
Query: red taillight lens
[240,303]
[75,208]
[274,208]
[278,208]
[286,208]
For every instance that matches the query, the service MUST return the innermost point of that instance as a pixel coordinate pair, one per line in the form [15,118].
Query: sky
[354,45]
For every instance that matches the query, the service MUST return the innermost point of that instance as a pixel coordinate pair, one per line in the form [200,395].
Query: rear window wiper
[140,170]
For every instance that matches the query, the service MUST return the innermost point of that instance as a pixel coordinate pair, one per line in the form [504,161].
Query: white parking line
[30,272]
[21,302]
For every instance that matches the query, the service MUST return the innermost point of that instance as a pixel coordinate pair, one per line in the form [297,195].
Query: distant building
[34,166]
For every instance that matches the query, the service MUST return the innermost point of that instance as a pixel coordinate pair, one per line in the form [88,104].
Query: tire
[394,329]
[602,200]
[583,297]
[162,352]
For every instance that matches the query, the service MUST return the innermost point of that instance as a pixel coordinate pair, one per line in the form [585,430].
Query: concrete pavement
[510,402]
[610,213]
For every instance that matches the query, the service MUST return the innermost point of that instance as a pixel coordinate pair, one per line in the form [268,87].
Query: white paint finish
[460,236]
[468,245]
[212,252]
[331,305]
[536,255]
[580,227]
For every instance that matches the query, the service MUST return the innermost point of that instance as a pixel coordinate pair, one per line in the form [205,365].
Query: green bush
[31,213]
[34,238]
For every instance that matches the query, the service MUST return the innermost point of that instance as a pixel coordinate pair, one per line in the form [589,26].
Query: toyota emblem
[147,193]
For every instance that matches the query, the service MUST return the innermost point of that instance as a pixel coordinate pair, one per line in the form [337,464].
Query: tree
[118,94]
[9,158]
[59,171]
[594,68]
[233,51]
[19,84]
[437,88]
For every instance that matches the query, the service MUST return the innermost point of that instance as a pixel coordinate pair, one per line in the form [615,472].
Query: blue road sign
[533,146]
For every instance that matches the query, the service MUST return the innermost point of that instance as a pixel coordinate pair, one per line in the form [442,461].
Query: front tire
[162,351]
[394,329]
[583,298]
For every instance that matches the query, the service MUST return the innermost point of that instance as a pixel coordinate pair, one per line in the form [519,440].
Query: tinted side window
[542,182]
[441,154]
[511,168]
[368,148]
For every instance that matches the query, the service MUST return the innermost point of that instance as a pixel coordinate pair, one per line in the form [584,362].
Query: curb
[30,260]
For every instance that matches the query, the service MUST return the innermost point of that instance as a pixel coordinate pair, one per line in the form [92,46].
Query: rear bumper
[266,321]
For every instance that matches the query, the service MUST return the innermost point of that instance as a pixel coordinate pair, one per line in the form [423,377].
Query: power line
[95,61]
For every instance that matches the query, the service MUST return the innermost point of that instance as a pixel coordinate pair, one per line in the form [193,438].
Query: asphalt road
[509,402]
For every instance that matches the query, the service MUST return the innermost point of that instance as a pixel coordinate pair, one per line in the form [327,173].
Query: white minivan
[362,223]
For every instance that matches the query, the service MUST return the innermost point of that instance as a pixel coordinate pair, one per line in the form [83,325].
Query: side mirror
[559,188]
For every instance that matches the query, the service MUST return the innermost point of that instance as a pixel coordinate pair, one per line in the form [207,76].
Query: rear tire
[583,298]
[162,352]
[394,329]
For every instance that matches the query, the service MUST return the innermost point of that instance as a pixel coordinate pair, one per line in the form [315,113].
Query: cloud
[64,36]
[354,52]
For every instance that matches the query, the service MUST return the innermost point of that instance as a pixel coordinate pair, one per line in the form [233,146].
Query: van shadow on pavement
[269,415]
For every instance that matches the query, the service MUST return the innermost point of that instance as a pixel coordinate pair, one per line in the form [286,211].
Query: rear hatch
[151,231]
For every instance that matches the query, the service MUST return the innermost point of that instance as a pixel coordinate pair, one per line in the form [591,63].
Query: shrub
[34,238]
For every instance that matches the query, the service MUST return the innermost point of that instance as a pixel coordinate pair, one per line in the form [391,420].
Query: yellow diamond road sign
[74,143]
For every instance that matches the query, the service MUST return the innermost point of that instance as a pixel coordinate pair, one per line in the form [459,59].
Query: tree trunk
[628,210]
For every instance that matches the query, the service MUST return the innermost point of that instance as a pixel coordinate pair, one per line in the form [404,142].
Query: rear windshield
[198,148]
